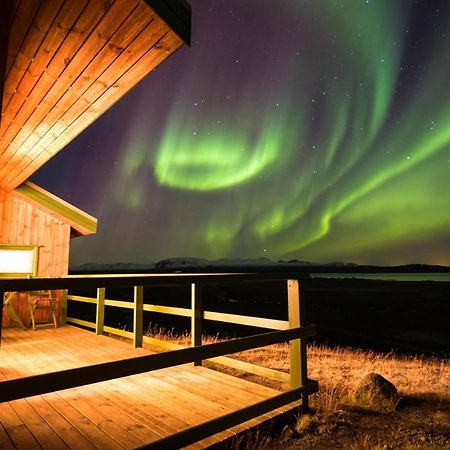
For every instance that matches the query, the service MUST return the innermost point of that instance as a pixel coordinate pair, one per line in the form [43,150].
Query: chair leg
[51,315]
[50,306]
[33,323]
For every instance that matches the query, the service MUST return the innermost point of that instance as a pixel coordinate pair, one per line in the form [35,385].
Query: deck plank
[5,441]
[40,429]
[17,431]
[144,412]
[89,429]
[65,430]
[123,413]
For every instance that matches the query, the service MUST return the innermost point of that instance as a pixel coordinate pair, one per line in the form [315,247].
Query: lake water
[438,276]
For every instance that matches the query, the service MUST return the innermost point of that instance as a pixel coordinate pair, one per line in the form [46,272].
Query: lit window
[18,260]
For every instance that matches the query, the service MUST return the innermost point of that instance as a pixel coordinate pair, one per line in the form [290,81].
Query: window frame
[31,248]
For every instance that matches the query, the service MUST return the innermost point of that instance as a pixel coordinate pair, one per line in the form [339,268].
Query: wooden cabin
[63,63]
[32,218]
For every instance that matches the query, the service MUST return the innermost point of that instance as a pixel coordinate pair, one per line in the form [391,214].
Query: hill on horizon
[194,264]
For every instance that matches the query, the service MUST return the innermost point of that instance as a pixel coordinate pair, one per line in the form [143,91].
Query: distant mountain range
[192,265]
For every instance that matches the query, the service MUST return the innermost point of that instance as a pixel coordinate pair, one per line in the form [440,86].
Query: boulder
[375,391]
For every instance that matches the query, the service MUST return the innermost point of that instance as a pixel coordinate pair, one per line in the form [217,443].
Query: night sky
[307,129]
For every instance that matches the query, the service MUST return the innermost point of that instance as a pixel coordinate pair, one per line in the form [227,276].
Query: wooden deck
[123,413]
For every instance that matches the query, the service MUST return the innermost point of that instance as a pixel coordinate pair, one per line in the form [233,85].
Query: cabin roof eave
[58,79]
[81,223]
[176,14]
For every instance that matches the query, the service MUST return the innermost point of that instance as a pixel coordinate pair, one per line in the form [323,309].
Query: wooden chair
[42,300]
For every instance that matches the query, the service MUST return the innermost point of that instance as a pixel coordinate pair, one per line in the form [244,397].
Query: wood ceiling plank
[77,32]
[167,45]
[108,79]
[74,75]
[78,73]
[28,88]
[29,45]
[15,7]
[22,19]
[5,22]
[147,37]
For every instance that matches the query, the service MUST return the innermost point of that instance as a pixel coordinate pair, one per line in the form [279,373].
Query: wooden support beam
[244,366]
[82,299]
[173,310]
[100,312]
[138,315]
[2,293]
[63,313]
[197,318]
[117,332]
[260,322]
[83,323]
[297,347]
[119,304]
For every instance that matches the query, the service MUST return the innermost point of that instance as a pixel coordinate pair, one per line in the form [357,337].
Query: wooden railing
[295,330]
[197,315]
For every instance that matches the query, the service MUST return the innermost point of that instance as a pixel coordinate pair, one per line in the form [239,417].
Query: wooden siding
[22,222]
[68,62]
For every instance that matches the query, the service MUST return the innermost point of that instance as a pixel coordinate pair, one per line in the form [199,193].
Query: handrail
[156,280]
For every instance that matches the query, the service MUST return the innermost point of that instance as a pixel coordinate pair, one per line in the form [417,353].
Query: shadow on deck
[126,412]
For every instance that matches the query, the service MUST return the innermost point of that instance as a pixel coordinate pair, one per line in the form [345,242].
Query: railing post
[138,315]
[297,347]
[196,318]
[2,293]
[100,315]
[63,312]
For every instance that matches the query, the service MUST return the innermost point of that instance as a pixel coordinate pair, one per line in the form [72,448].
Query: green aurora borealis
[314,130]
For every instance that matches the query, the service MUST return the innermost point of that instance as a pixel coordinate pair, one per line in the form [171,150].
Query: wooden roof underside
[67,62]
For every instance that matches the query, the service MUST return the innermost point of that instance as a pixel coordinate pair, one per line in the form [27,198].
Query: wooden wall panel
[22,222]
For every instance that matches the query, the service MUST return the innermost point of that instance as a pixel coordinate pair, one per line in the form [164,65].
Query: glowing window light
[17,259]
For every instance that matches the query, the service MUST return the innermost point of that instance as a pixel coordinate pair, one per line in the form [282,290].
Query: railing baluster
[100,315]
[197,317]
[138,315]
[2,293]
[297,347]
[63,312]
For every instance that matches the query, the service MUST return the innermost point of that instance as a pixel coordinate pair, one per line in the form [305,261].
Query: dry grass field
[420,419]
